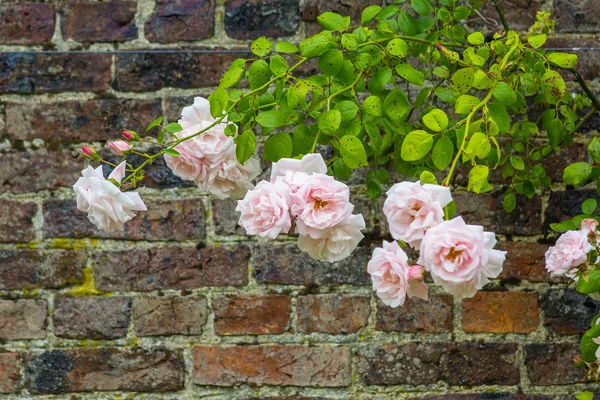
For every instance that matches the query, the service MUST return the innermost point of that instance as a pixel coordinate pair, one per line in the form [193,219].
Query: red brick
[16,221]
[91,317]
[154,316]
[181,20]
[418,316]
[28,269]
[251,314]
[26,23]
[23,319]
[552,364]
[171,268]
[142,72]
[43,73]
[101,370]
[500,312]
[100,22]
[250,19]
[9,372]
[164,220]
[520,15]
[335,314]
[31,171]
[272,365]
[75,121]
[526,261]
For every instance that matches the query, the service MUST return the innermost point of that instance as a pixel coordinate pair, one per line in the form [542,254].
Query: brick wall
[182,305]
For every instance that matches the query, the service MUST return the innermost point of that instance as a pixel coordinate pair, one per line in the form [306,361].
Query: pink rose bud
[119,147]
[89,153]
[131,136]
[416,272]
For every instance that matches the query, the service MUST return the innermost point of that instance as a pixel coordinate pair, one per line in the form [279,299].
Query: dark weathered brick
[87,370]
[152,71]
[171,268]
[112,21]
[31,171]
[23,319]
[251,314]
[432,316]
[589,60]
[181,20]
[164,220]
[26,23]
[567,311]
[40,73]
[287,264]
[492,396]
[174,105]
[526,261]
[16,221]
[556,162]
[500,312]
[520,14]
[9,372]
[53,269]
[470,364]
[552,363]
[91,317]
[486,210]
[576,16]
[565,205]
[74,121]
[225,217]
[272,365]
[249,19]
[332,313]
[158,175]
[154,316]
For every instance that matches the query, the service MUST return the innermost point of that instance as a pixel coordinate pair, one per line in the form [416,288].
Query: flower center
[320,203]
[453,254]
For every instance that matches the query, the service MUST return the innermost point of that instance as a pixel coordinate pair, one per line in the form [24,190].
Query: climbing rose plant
[469,103]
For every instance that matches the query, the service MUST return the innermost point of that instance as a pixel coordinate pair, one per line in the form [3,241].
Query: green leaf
[462,80]
[231,130]
[555,131]
[379,80]
[553,86]
[368,14]
[479,146]
[332,21]
[173,127]
[314,46]
[234,74]
[171,152]
[407,72]
[509,203]
[563,226]
[372,106]
[154,123]
[278,146]
[478,178]
[465,103]
[421,7]
[594,150]
[416,145]
[397,47]
[442,153]
[424,24]
[589,282]
[303,139]
[517,163]
[331,62]
[577,173]
[536,41]
[258,74]
[340,170]
[330,121]
[245,146]
[476,38]
[500,116]
[585,396]
[396,106]
[436,120]
[588,347]
[218,102]
[271,119]
[563,60]
[285,47]
[278,65]
[589,206]
[348,109]
[504,93]
[441,71]
[349,41]
[261,46]
[406,23]
[428,177]
[352,151]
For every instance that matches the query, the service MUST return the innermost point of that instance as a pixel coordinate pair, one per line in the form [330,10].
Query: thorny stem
[501,15]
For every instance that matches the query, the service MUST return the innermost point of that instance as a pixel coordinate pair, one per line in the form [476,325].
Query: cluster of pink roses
[460,257]
[209,159]
[319,204]
[571,250]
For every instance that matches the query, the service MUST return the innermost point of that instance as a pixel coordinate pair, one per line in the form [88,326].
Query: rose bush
[470,111]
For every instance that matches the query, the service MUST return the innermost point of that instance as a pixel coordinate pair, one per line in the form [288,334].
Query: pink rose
[321,203]
[569,252]
[108,208]
[189,165]
[295,173]
[588,225]
[411,208]
[460,257]
[264,210]
[226,177]
[337,244]
[192,117]
[119,147]
[391,275]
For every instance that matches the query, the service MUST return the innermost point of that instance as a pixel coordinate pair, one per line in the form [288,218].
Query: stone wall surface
[183,305]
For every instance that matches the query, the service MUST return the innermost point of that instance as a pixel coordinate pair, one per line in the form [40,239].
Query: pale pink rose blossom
[411,208]
[265,211]
[569,252]
[337,244]
[460,257]
[227,178]
[588,225]
[296,173]
[189,165]
[391,277]
[321,203]
[119,147]
[108,208]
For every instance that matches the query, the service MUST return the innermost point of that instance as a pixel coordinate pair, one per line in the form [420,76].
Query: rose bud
[131,136]
[119,147]
[89,153]
[416,272]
